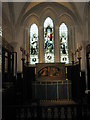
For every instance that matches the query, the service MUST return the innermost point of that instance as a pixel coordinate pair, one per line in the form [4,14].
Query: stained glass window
[34,45]
[63,33]
[48,40]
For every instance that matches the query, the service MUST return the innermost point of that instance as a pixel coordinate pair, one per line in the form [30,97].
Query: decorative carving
[50,71]
[79,51]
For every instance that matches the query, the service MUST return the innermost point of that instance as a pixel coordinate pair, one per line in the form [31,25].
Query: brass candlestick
[79,57]
[27,56]
[23,59]
[72,58]
[79,51]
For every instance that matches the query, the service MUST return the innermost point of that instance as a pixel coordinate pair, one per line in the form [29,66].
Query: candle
[66,70]
[79,49]
[35,71]
[28,58]
[72,56]
[79,53]
[77,46]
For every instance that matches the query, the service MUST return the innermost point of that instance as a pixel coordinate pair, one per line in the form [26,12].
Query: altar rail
[30,112]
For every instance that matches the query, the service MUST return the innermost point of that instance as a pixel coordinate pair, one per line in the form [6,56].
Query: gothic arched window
[48,40]
[63,35]
[34,45]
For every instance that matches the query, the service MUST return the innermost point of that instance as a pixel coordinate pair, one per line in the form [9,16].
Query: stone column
[89,22]
[56,44]
[27,42]
[26,38]
[41,44]
[71,43]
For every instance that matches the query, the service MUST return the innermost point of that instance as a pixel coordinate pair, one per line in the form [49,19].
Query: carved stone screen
[50,71]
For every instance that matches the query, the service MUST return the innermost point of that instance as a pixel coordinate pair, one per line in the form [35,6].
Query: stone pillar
[27,43]
[89,21]
[26,39]
[56,44]
[71,43]
[41,44]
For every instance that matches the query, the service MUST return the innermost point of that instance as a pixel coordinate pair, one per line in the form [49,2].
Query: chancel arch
[49,12]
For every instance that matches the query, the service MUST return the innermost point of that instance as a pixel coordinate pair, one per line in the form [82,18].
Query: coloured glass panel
[48,41]
[34,45]
[63,33]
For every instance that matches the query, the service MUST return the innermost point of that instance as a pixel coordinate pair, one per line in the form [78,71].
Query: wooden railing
[30,112]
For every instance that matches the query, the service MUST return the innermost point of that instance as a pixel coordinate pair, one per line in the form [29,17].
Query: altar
[51,83]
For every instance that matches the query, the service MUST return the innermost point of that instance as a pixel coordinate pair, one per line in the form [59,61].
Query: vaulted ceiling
[13,13]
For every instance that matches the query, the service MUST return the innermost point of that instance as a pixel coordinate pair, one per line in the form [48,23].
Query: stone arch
[31,19]
[65,17]
[48,12]
[68,20]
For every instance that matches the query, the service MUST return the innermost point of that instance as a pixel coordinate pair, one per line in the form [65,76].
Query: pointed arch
[63,35]
[48,40]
